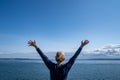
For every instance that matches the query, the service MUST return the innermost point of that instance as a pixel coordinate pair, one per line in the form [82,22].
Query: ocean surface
[81,70]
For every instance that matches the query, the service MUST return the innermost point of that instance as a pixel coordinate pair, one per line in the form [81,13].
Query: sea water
[81,70]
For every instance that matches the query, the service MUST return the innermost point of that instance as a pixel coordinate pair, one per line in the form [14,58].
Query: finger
[81,41]
[30,42]
[34,41]
[87,41]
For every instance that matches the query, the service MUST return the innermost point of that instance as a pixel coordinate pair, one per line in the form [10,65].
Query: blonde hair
[60,56]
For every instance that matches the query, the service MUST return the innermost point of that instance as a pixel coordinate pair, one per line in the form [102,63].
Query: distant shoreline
[53,59]
[18,59]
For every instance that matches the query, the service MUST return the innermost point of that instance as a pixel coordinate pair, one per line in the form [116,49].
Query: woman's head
[60,57]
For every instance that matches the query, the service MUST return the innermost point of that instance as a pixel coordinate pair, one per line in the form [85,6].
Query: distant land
[18,59]
[53,59]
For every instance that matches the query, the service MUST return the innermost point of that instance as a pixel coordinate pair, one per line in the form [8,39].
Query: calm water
[81,70]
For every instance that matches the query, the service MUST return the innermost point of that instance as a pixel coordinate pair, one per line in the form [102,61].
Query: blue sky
[58,24]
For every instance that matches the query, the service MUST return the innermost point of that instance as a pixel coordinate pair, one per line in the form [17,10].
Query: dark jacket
[58,72]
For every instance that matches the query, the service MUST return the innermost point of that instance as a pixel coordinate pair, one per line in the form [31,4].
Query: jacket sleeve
[47,62]
[72,59]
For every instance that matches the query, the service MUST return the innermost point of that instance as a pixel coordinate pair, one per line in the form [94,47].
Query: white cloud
[108,50]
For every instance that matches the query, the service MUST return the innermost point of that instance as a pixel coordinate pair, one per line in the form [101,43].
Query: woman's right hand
[32,43]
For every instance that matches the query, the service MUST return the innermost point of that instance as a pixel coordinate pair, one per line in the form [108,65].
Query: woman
[58,71]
